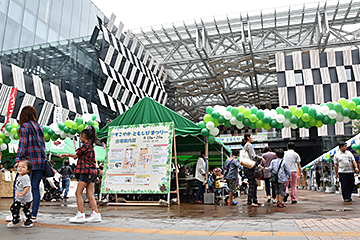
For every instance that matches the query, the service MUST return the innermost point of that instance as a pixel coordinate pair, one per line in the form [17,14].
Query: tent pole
[207,162]
[176,168]
[222,157]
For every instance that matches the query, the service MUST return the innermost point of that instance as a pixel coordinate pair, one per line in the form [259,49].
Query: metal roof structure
[230,60]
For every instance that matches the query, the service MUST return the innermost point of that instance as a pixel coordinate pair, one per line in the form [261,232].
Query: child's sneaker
[27,225]
[10,224]
[9,218]
[95,217]
[79,218]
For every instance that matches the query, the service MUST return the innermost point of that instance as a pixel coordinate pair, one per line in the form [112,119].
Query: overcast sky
[143,13]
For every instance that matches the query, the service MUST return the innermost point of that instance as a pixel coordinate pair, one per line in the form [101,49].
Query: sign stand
[153,203]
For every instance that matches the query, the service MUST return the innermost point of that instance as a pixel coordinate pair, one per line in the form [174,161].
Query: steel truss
[230,60]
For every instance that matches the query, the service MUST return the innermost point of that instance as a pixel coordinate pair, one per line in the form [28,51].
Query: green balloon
[259,124]
[312,112]
[319,116]
[229,109]
[14,125]
[338,107]
[353,115]
[267,126]
[330,105]
[50,132]
[234,111]
[221,120]
[47,137]
[94,117]
[332,122]
[305,108]
[305,117]
[8,127]
[253,118]
[207,118]
[343,102]
[298,112]
[351,105]
[201,124]
[216,122]
[241,109]
[358,117]
[211,139]
[1,141]
[252,126]
[55,136]
[292,109]
[61,126]
[7,140]
[260,114]
[66,130]
[273,123]
[79,121]
[46,128]
[90,123]
[288,114]
[253,110]
[247,113]
[326,119]
[313,121]
[75,125]
[346,112]
[300,123]
[228,124]
[215,115]
[266,119]
[356,100]
[357,109]
[72,131]
[246,122]
[240,116]
[2,136]
[280,126]
[307,125]
[209,110]
[13,131]
[280,110]
[294,120]
[96,128]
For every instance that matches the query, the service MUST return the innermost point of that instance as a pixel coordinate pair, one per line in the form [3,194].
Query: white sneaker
[9,218]
[95,217]
[79,218]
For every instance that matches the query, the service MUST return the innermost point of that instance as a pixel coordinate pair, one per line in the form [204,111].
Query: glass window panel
[27,38]
[15,11]
[55,16]
[39,40]
[12,35]
[44,10]
[298,78]
[29,21]
[32,5]
[3,6]
[66,18]
[85,19]
[2,28]
[41,29]
[75,21]
[53,35]
[348,74]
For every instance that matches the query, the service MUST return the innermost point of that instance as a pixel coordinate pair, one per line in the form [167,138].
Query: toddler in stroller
[221,189]
[51,188]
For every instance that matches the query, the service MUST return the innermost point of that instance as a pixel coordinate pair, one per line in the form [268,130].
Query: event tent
[188,135]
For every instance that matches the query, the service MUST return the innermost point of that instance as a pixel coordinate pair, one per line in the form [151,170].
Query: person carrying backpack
[66,172]
[232,166]
[280,172]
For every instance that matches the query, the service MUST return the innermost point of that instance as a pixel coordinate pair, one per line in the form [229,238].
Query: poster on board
[138,159]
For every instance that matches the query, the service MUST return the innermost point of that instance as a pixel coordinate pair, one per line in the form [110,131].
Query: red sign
[11,106]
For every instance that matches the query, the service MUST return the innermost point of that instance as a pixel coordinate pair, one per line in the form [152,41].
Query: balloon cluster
[294,117]
[356,147]
[69,128]
[52,132]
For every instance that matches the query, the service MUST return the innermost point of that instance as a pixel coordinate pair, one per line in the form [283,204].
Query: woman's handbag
[245,159]
[258,172]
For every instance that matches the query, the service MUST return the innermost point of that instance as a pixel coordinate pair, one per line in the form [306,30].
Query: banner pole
[176,168]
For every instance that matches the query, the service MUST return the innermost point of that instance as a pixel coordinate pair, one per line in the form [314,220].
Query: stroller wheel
[226,199]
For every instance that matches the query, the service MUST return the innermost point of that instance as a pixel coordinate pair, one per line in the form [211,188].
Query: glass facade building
[31,22]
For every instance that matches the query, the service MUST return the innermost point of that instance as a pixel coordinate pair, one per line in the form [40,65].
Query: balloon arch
[306,116]
[53,132]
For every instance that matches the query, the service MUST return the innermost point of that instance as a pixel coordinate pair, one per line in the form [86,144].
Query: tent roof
[149,111]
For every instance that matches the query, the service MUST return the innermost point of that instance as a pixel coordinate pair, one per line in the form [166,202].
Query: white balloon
[339,117]
[71,135]
[63,135]
[287,123]
[273,114]
[239,125]
[280,118]
[294,126]
[3,146]
[210,125]
[227,115]
[214,131]
[233,120]
[266,112]
[87,117]
[324,110]
[332,114]
[58,131]
[53,127]
[8,134]
[346,119]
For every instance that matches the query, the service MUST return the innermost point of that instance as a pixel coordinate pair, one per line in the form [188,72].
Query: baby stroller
[221,195]
[51,189]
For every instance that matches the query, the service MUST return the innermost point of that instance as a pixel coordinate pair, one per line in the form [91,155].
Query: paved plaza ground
[315,216]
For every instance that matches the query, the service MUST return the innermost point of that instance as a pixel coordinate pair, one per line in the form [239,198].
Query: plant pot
[321,189]
[330,189]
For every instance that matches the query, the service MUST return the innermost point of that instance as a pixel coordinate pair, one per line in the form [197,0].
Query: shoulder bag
[245,159]
[48,172]
[274,178]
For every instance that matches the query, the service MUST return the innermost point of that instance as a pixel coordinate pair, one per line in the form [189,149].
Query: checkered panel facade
[131,73]
[318,77]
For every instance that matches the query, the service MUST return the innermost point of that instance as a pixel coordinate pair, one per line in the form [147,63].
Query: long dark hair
[28,113]
[90,135]
[245,139]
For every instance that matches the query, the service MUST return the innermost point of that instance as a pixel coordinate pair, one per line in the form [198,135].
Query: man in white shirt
[200,175]
[293,160]
[345,164]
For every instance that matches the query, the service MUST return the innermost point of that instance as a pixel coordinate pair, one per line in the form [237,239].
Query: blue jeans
[36,176]
[65,185]
[200,191]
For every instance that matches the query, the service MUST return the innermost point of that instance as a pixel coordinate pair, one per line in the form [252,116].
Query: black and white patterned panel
[132,73]
[318,77]
[42,96]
